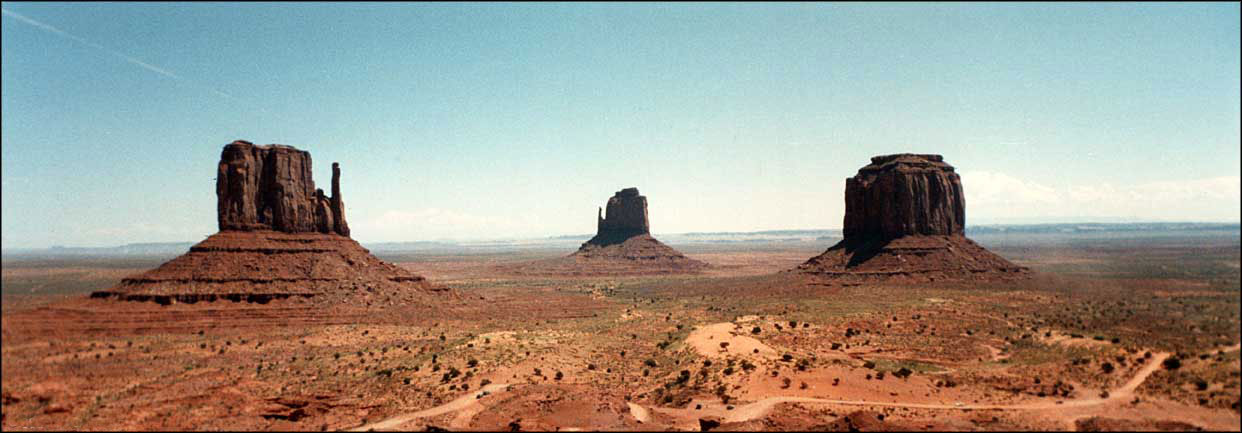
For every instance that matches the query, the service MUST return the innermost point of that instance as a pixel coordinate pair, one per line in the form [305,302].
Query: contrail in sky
[51,29]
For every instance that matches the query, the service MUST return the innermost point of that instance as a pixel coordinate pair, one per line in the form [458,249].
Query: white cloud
[997,196]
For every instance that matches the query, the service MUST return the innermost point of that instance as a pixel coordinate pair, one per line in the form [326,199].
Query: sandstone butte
[623,237]
[904,220]
[279,237]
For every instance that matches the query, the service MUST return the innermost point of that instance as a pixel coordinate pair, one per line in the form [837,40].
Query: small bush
[1172,363]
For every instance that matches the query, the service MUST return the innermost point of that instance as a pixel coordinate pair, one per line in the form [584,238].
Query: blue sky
[468,121]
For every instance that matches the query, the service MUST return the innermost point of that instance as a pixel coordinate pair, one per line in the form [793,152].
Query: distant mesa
[279,237]
[623,242]
[904,219]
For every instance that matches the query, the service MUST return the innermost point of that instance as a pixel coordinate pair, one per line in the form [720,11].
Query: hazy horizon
[493,121]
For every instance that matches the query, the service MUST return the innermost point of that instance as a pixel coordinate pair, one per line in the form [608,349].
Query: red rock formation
[279,237]
[904,194]
[904,219]
[626,217]
[270,188]
[623,243]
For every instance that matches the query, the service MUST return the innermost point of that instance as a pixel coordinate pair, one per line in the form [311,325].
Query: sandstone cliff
[904,220]
[271,188]
[904,194]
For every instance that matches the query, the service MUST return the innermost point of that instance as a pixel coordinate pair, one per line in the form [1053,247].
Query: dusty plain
[1113,331]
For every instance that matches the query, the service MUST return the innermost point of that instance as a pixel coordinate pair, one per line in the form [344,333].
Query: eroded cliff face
[270,188]
[280,237]
[904,220]
[904,194]
[625,217]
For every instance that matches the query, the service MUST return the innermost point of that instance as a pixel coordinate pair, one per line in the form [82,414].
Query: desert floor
[1089,342]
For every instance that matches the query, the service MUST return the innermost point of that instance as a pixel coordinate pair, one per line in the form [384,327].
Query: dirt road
[1124,393]
[460,403]
[760,408]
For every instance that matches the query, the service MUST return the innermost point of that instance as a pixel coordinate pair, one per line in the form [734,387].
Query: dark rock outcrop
[280,237]
[271,188]
[904,220]
[625,218]
[904,194]
[623,244]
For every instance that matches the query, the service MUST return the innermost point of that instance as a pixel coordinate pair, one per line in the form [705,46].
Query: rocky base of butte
[904,220]
[280,237]
[622,245]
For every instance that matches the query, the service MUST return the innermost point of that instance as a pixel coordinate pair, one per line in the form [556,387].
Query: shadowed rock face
[271,188]
[623,243]
[280,237]
[904,194]
[626,217]
[904,220]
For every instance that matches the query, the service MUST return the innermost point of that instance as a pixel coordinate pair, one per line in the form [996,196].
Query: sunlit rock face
[270,188]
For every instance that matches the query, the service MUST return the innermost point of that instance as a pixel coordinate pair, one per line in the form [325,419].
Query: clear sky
[469,121]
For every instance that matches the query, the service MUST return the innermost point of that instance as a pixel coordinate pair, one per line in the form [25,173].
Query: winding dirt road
[1124,393]
[460,403]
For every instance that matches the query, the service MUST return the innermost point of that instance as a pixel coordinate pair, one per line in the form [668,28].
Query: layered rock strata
[279,237]
[904,219]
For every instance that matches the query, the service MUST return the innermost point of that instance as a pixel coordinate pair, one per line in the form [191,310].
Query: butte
[904,220]
[622,245]
[279,237]
[623,239]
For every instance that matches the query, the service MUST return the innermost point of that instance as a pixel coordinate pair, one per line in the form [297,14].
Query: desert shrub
[559,375]
[646,372]
[785,383]
[472,363]
[747,365]
[1201,385]
[786,357]
[727,371]
[1172,363]
[590,366]
[793,324]
[755,330]
[869,364]
[650,363]
[1107,367]
[902,372]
